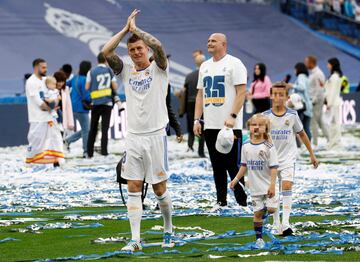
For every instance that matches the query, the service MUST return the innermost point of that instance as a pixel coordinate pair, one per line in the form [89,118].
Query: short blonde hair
[264,119]
[280,84]
[50,79]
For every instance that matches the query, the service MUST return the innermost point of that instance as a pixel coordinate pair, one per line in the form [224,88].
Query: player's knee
[271,210]
[160,188]
[134,186]
[258,215]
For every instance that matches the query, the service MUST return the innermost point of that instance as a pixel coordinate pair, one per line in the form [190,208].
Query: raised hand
[131,20]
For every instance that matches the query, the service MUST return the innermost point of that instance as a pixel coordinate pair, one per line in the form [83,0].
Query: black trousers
[190,111]
[261,104]
[225,163]
[103,111]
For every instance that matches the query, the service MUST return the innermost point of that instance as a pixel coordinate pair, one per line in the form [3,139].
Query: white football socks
[166,210]
[135,210]
[287,202]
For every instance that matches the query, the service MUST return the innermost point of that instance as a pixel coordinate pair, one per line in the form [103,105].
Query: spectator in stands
[65,106]
[45,142]
[81,114]
[67,69]
[101,83]
[301,87]
[337,6]
[316,91]
[333,102]
[190,91]
[349,9]
[356,6]
[318,13]
[259,92]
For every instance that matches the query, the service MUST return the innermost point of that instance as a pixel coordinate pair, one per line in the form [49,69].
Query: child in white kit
[285,126]
[259,158]
[51,95]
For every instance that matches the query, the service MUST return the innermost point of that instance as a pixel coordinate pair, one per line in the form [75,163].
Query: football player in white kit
[259,158]
[146,145]
[285,124]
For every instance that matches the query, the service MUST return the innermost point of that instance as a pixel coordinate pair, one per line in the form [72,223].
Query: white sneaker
[260,244]
[217,207]
[132,246]
[276,230]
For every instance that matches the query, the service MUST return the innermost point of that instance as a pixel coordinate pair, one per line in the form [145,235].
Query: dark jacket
[173,122]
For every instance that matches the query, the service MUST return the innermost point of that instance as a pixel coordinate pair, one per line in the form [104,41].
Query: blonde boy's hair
[267,124]
[281,84]
[50,79]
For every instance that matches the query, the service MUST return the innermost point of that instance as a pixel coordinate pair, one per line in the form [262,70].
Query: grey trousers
[318,122]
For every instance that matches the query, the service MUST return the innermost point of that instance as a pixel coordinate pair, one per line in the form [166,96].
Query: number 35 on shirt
[214,87]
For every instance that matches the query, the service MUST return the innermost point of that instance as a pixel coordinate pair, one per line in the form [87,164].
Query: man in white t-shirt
[317,91]
[146,145]
[45,142]
[220,97]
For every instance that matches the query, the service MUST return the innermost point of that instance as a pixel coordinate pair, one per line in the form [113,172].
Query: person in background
[316,92]
[65,110]
[260,89]
[45,142]
[221,95]
[78,95]
[301,87]
[67,69]
[101,83]
[333,102]
[190,91]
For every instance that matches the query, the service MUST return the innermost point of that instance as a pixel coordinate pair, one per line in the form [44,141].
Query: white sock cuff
[163,196]
[134,194]
[286,193]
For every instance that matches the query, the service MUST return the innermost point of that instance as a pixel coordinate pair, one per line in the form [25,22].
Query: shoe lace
[133,244]
[167,238]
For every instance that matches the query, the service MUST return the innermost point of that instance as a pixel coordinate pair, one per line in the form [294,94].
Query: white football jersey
[34,87]
[145,92]
[218,80]
[283,133]
[259,159]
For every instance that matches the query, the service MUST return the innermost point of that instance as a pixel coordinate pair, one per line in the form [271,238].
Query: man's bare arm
[112,58]
[237,104]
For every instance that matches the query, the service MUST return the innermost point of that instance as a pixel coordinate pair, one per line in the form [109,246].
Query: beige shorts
[146,158]
[259,202]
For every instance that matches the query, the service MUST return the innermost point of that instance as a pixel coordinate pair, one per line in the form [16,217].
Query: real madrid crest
[287,122]
[261,153]
[147,73]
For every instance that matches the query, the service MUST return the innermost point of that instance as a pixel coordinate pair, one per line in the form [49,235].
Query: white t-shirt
[218,79]
[283,133]
[51,93]
[259,159]
[145,92]
[33,87]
